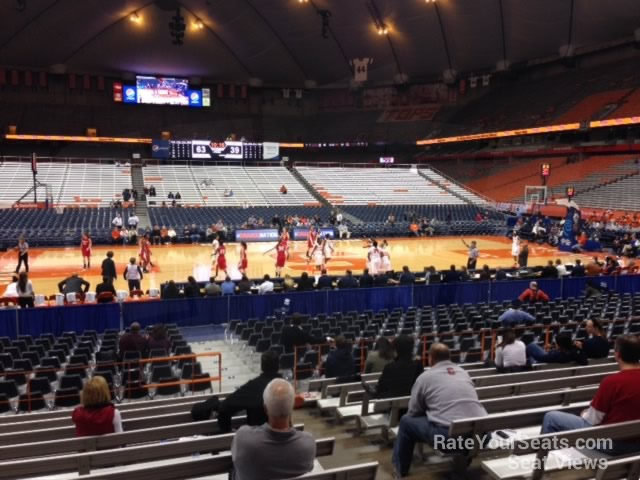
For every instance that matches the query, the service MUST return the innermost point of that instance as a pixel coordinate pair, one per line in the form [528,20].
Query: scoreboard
[208,150]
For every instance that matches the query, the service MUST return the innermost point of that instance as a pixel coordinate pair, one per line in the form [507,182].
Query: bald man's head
[438,352]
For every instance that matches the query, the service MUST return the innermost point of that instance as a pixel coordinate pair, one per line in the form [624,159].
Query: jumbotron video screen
[162,90]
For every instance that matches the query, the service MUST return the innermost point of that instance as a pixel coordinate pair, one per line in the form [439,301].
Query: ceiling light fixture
[135,18]
[198,25]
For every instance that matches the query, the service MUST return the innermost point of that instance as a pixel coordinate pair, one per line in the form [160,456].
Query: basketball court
[50,265]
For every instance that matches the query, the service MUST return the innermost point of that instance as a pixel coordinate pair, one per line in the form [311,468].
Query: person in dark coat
[170,291]
[523,256]
[158,340]
[325,281]
[105,286]
[578,270]
[366,280]
[305,283]
[192,289]
[109,267]
[133,341]
[293,335]
[340,363]
[348,281]
[249,396]
[398,377]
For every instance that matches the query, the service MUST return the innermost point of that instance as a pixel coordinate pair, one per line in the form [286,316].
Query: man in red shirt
[615,401]
[533,294]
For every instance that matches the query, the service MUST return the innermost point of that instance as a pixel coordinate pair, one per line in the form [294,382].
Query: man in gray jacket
[274,450]
[442,394]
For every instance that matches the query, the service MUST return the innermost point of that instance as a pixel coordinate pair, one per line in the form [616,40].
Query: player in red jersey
[281,255]
[311,242]
[221,264]
[244,262]
[145,253]
[85,246]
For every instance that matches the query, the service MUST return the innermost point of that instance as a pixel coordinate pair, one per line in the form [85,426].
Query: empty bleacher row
[54,227]
[81,184]
[48,372]
[364,186]
[206,185]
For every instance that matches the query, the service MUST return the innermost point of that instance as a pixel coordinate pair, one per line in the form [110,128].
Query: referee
[473,254]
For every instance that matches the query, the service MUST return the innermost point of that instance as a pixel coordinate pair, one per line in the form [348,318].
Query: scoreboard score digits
[208,150]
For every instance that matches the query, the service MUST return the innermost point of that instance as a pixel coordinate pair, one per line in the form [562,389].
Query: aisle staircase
[141,208]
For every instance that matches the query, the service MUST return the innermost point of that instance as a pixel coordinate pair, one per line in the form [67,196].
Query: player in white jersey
[214,245]
[327,249]
[385,258]
[317,254]
[515,247]
[373,257]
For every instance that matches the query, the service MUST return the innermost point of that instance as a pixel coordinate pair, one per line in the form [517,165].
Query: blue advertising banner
[160,148]
[303,233]
[263,235]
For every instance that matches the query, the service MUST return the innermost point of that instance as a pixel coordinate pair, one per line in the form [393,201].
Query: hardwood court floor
[50,265]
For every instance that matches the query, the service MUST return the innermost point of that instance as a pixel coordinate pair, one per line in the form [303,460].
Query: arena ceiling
[280,41]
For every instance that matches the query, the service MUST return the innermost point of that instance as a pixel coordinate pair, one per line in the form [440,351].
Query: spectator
[186,233]
[511,353]
[324,281]
[195,234]
[133,275]
[348,281]
[133,341]
[172,235]
[340,363]
[294,336]
[562,270]
[382,354]
[24,289]
[132,236]
[170,291]
[305,283]
[565,352]
[407,278]
[152,191]
[178,196]
[343,230]
[549,271]
[246,398]
[283,190]
[191,289]
[109,267]
[156,235]
[464,274]
[578,269]
[398,376]
[158,340]
[275,449]
[615,401]
[594,268]
[596,345]
[170,196]
[288,283]
[501,275]
[97,415]
[12,288]
[381,280]
[212,289]
[105,287]
[514,316]
[266,286]
[485,274]
[533,294]
[451,275]
[244,285]
[366,280]
[74,284]
[228,287]
[133,221]
[117,221]
[442,394]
